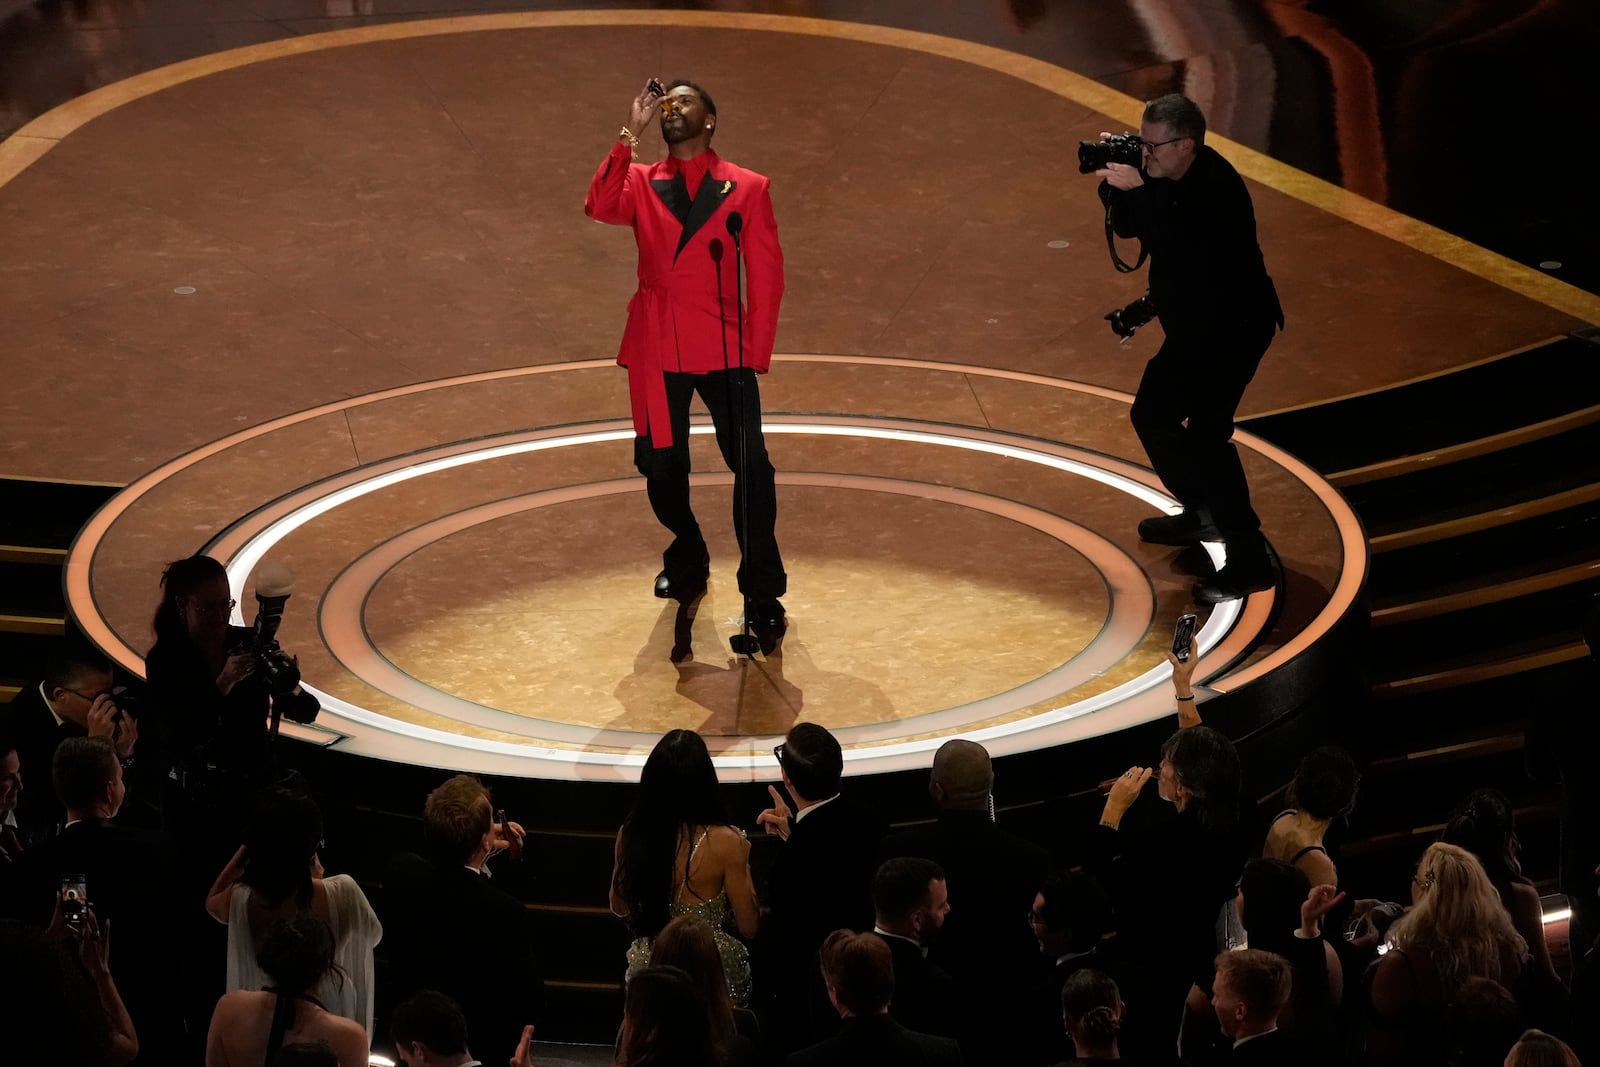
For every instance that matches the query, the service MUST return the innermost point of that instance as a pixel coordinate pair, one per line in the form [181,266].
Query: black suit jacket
[33,725]
[1268,1050]
[822,879]
[450,929]
[926,999]
[877,1041]
[133,882]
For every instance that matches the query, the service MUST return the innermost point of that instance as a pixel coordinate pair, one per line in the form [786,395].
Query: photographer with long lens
[217,687]
[1219,311]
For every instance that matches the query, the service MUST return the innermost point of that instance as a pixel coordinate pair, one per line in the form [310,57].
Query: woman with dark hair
[1091,1011]
[251,1027]
[214,704]
[1324,789]
[665,1023]
[1171,867]
[1485,826]
[277,875]
[689,944]
[676,854]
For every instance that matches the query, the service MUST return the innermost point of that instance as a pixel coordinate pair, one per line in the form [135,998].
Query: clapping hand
[775,820]
[1321,900]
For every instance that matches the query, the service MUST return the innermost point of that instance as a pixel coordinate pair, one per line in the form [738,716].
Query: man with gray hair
[992,876]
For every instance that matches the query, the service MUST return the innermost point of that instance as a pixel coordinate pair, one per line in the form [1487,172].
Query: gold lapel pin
[726,186]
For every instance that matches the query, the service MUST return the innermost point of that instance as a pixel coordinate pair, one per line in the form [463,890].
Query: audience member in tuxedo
[993,875]
[1172,866]
[820,881]
[1481,1024]
[664,1023]
[1069,919]
[1251,989]
[73,700]
[1091,1016]
[676,854]
[275,875]
[1456,929]
[1484,825]
[448,927]
[1279,912]
[249,1026]
[431,1030]
[911,899]
[858,972]
[1539,1049]
[1324,789]
[129,874]
[213,708]
[688,943]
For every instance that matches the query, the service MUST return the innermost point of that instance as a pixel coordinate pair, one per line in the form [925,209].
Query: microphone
[735,226]
[715,249]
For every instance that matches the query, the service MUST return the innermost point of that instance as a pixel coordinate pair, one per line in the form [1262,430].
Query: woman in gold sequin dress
[676,854]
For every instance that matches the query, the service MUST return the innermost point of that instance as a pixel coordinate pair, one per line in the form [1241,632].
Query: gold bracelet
[633,142]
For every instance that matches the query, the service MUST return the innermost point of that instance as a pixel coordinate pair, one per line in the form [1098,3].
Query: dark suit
[33,725]
[926,999]
[132,881]
[877,1041]
[448,928]
[820,882]
[992,876]
[1268,1050]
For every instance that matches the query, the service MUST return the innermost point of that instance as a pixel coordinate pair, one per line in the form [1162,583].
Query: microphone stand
[743,643]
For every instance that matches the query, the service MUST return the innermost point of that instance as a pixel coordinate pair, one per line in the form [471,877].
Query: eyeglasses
[1151,146]
[777,751]
[1035,919]
[90,697]
[214,605]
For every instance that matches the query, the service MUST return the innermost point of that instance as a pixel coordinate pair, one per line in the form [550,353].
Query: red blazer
[675,322]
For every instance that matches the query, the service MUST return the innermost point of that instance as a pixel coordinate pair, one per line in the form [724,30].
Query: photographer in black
[215,693]
[1219,311]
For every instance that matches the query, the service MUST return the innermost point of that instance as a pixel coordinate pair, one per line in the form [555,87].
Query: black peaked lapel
[709,197]
[675,194]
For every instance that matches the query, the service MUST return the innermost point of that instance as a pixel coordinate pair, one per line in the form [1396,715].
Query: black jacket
[877,1041]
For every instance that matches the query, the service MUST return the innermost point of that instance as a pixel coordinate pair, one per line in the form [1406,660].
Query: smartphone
[1183,637]
[74,898]
[655,87]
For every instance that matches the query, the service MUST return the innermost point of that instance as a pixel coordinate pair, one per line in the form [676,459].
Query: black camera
[1125,321]
[274,584]
[1118,148]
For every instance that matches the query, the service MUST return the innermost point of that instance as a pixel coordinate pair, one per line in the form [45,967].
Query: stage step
[1446,640]
[1505,393]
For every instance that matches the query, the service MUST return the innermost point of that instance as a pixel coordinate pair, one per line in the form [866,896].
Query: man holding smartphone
[690,215]
[1219,311]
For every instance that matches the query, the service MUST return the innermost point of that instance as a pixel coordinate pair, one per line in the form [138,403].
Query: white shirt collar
[803,812]
[50,707]
[1252,1037]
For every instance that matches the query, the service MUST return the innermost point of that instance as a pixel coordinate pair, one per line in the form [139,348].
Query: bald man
[991,876]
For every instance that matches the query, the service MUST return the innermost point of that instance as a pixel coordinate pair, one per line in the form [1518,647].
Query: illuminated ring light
[881,747]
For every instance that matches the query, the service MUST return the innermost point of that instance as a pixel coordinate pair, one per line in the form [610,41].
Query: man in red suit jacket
[682,335]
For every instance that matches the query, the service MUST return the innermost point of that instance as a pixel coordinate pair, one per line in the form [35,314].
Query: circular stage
[475,555]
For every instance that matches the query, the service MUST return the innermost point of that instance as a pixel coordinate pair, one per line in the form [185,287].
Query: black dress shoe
[1184,528]
[686,589]
[768,624]
[1235,580]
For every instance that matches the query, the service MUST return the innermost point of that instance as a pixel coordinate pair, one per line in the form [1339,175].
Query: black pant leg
[1227,364]
[761,573]
[1159,409]
[666,472]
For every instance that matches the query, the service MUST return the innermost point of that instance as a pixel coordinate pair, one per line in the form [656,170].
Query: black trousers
[666,471]
[1183,414]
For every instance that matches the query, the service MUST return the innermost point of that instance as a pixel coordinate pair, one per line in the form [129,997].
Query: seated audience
[819,882]
[911,902]
[689,944]
[276,875]
[1485,826]
[858,973]
[1481,1024]
[1091,1015]
[993,875]
[1251,989]
[664,1023]
[1324,789]
[59,1001]
[1456,929]
[677,854]
[131,881]
[250,1026]
[73,700]
[448,927]
[1538,1049]
[1069,919]
[430,1030]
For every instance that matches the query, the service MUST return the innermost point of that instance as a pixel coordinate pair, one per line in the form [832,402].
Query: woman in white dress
[277,873]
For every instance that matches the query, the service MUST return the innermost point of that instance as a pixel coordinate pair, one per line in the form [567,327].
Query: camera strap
[1111,246]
